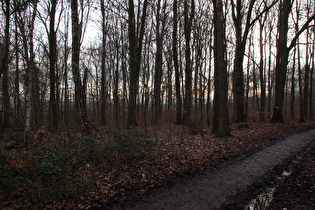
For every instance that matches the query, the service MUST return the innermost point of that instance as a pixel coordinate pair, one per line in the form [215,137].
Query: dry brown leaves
[175,152]
[178,153]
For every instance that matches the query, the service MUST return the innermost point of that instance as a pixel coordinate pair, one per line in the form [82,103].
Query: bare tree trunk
[307,73]
[282,60]
[65,73]
[116,81]
[282,57]
[17,103]
[293,87]
[254,101]
[238,77]
[37,108]
[220,110]
[158,65]
[209,79]
[300,86]
[103,71]
[270,75]
[188,68]
[247,81]
[169,82]
[238,14]
[247,92]
[4,68]
[80,103]
[262,74]
[311,114]
[123,69]
[307,68]
[146,79]
[52,68]
[299,66]
[31,69]
[198,68]
[306,88]
[179,119]
[136,33]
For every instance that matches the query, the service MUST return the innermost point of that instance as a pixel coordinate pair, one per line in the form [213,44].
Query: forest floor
[159,167]
[298,190]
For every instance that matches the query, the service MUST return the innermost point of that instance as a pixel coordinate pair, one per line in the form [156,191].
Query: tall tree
[29,55]
[270,81]
[103,59]
[116,83]
[65,67]
[179,119]
[136,29]
[311,114]
[292,99]
[209,78]
[221,125]
[238,15]
[17,100]
[282,60]
[4,68]
[307,68]
[188,64]
[160,30]
[53,105]
[302,115]
[282,56]
[80,103]
[262,22]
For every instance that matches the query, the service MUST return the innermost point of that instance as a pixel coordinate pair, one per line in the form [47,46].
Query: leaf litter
[151,158]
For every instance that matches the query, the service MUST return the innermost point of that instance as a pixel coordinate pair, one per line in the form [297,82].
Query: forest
[104,85]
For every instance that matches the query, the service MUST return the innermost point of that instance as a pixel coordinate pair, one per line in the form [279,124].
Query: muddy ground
[298,190]
[233,184]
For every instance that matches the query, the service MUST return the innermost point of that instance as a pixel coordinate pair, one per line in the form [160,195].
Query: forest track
[221,187]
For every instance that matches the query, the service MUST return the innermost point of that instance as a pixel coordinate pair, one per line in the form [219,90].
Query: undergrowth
[66,170]
[60,167]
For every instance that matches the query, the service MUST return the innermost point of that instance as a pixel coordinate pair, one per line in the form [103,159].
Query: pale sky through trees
[117,43]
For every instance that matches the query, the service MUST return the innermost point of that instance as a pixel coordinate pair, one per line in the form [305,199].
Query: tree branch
[305,26]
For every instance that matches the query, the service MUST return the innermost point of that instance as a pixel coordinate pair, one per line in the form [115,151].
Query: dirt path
[214,188]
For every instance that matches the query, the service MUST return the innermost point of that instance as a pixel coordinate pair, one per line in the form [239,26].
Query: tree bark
[65,74]
[116,83]
[221,125]
[17,103]
[209,80]
[307,68]
[29,53]
[281,60]
[282,57]
[179,119]
[238,77]
[103,71]
[311,114]
[80,103]
[270,75]
[158,64]
[5,67]
[262,75]
[302,116]
[52,68]
[188,65]
[124,75]
[293,87]
[241,38]
[135,34]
